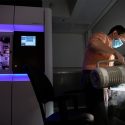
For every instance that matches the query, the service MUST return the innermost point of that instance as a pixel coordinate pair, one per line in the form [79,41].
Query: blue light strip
[6,28]
[31,28]
[19,27]
[14,77]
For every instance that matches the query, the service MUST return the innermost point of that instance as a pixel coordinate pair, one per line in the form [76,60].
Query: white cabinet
[21,15]
[6,14]
[5,103]
[28,15]
[26,109]
[18,103]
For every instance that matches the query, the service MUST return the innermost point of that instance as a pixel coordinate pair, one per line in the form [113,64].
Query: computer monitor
[28,50]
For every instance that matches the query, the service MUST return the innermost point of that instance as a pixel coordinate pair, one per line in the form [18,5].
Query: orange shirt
[92,57]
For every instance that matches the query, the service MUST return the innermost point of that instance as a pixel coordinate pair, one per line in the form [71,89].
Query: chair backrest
[42,87]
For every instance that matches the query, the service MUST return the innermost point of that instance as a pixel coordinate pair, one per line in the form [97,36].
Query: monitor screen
[28,50]
[28,40]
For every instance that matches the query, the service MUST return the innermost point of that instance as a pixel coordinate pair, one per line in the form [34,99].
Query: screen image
[28,40]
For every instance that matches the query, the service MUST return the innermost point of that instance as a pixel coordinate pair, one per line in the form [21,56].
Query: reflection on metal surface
[117,102]
[117,95]
[121,87]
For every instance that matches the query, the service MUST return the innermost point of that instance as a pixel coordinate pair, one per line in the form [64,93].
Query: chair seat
[71,116]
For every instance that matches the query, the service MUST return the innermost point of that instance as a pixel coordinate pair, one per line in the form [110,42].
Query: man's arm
[100,47]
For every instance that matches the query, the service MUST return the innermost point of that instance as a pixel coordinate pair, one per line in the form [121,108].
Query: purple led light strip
[14,77]
[18,27]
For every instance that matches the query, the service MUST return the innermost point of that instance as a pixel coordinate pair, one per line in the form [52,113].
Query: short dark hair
[119,28]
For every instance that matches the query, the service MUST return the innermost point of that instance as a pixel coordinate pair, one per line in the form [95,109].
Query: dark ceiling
[32,3]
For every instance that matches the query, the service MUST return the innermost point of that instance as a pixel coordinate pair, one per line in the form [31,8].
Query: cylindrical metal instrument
[109,76]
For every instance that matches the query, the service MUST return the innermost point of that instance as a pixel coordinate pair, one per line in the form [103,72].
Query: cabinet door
[6,15]
[26,110]
[28,15]
[5,103]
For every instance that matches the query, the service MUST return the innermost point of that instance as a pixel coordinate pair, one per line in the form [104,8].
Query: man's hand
[119,57]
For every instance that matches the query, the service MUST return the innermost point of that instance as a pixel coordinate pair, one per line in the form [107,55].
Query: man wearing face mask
[100,47]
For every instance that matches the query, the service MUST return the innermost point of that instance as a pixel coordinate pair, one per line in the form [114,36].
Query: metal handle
[103,61]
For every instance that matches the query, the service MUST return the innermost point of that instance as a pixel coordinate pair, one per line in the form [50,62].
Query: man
[100,48]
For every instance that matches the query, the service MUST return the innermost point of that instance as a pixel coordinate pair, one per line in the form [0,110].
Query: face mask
[116,43]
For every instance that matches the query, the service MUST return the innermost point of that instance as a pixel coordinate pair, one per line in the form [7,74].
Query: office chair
[44,93]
